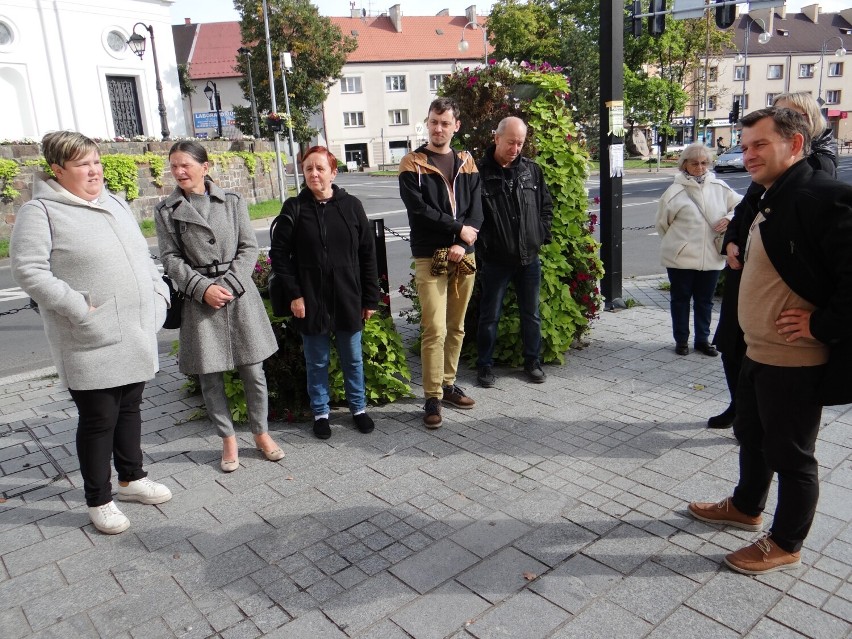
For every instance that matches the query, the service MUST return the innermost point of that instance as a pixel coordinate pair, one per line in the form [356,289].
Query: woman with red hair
[323,249]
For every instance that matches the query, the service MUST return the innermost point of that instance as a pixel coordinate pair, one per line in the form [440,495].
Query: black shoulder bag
[175,311]
[277,293]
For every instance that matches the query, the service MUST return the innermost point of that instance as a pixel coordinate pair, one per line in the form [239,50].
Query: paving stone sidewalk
[553,510]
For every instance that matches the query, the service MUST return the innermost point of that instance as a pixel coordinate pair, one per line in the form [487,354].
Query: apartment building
[375,113]
[776,52]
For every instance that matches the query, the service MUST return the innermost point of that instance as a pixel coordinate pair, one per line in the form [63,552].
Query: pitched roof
[184,37]
[802,35]
[215,52]
[422,38]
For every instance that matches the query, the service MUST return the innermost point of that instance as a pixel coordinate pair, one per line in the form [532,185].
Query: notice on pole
[616,118]
[616,160]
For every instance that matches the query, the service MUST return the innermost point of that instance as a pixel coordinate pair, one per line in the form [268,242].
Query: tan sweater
[763,295]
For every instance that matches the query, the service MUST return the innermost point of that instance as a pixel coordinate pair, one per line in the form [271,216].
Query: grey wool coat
[239,333]
[70,255]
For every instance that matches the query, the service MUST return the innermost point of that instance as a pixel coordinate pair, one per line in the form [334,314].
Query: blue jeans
[495,280]
[317,349]
[697,286]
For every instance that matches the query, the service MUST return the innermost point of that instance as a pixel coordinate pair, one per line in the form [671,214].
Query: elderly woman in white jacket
[77,250]
[691,221]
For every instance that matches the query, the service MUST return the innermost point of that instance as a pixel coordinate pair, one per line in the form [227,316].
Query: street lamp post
[255,125]
[137,45]
[286,65]
[763,38]
[464,45]
[281,192]
[213,95]
[838,53]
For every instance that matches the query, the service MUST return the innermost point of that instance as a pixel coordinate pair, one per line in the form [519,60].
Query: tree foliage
[567,33]
[319,51]
[570,298]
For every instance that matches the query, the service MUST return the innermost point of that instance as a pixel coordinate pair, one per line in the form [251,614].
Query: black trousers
[110,425]
[777,423]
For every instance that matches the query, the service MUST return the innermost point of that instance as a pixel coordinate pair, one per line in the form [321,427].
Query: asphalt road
[24,347]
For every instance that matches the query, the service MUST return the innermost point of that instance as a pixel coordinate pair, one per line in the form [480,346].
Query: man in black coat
[795,308]
[518,210]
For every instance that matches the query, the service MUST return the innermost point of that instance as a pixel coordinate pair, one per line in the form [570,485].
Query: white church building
[66,64]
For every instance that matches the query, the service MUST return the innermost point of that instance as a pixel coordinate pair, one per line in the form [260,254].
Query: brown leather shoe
[432,416]
[763,556]
[455,396]
[725,513]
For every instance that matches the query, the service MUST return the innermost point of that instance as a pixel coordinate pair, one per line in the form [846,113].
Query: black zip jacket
[517,208]
[808,238]
[327,256]
[436,218]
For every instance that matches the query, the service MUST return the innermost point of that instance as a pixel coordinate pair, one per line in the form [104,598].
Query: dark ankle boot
[724,419]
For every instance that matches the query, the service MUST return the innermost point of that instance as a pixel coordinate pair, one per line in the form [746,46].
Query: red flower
[596,199]
[593,218]
[386,300]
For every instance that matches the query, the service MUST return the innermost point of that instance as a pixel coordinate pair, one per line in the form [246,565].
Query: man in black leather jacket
[796,311]
[518,209]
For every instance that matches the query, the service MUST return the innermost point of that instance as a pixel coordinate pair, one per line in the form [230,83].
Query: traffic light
[636,22]
[657,23]
[735,114]
[725,15]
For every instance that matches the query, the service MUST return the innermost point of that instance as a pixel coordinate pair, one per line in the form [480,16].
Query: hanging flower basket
[276,121]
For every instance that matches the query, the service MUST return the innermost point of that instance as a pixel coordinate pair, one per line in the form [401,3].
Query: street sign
[207,119]
[685,9]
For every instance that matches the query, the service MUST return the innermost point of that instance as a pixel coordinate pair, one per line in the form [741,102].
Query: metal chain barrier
[28,307]
[638,228]
[394,233]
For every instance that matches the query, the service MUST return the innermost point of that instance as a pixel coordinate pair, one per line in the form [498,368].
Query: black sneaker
[432,417]
[364,423]
[485,377]
[455,396]
[534,372]
[682,349]
[707,349]
[322,429]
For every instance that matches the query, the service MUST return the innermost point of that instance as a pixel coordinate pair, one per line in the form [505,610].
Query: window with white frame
[714,74]
[741,71]
[806,70]
[775,72]
[398,116]
[395,83]
[350,84]
[743,103]
[835,69]
[832,97]
[712,102]
[435,80]
[770,98]
[353,118]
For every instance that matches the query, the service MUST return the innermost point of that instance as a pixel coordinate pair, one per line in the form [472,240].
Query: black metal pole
[381,257]
[218,110]
[161,103]
[611,47]
[254,120]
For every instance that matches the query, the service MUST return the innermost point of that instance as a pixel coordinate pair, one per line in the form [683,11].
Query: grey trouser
[213,391]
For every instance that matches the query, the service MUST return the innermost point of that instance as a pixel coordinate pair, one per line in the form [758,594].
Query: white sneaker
[109,519]
[144,491]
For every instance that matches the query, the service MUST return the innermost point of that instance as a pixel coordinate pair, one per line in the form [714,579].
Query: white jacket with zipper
[685,219]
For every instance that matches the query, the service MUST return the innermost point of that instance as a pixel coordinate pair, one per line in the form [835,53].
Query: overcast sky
[222,10]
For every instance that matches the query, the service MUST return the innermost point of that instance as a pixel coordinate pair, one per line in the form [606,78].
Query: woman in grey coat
[77,251]
[208,248]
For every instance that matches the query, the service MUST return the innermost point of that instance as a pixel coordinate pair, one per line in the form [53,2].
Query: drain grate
[50,467]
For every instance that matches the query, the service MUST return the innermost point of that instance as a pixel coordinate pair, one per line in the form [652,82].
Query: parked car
[730,160]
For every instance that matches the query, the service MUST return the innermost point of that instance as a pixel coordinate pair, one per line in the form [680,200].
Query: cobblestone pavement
[553,510]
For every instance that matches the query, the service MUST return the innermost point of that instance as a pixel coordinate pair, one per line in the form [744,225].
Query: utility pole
[611,49]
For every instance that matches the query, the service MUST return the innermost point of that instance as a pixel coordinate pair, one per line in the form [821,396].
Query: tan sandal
[229,465]
[275,454]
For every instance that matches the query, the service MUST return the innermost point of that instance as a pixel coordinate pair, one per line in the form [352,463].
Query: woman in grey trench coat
[208,248]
